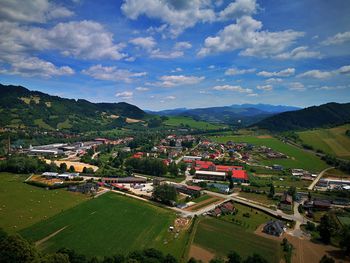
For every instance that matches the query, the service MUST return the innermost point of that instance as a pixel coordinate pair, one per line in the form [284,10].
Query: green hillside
[191,123]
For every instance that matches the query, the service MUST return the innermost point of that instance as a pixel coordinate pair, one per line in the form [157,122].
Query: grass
[178,120]
[344,220]
[221,237]
[110,224]
[298,157]
[22,205]
[201,198]
[41,124]
[261,198]
[332,140]
[64,125]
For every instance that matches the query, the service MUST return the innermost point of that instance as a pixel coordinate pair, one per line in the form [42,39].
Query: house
[227,208]
[138,155]
[86,188]
[274,227]
[277,167]
[159,181]
[322,204]
[286,202]
[240,176]
[210,175]
[187,158]
[124,180]
[189,190]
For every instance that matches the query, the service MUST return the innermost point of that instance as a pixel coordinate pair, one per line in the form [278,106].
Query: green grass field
[110,224]
[261,198]
[22,205]
[333,140]
[298,158]
[178,120]
[221,237]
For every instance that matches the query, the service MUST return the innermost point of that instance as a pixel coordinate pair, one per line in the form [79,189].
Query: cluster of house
[62,176]
[303,174]
[85,188]
[223,209]
[286,202]
[270,153]
[333,184]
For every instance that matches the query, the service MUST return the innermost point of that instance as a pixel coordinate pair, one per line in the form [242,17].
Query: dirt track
[200,254]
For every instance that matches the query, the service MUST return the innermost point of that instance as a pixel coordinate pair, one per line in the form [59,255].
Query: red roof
[138,155]
[240,174]
[203,164]
[194,188]
[120,186]
[226,168]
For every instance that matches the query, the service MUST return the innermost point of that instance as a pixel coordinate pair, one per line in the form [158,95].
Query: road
[314,182]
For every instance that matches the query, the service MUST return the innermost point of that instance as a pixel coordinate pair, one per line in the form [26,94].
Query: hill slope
[330,114]
[20,107]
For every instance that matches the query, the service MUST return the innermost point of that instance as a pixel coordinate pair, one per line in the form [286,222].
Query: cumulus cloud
[157,53]
[178,15]
[235,71]
[317,74]
[182,45]
[274,80]
[344,70]
[147,43]
[238,9]
[265,87]
[337,39]
[178,80]
[296,86]
[246,35]
[283,73]
[233,88]
[170,97]
[125,95]
[142,89]
[299,53]
[112,73]
[38,11]
[339,87]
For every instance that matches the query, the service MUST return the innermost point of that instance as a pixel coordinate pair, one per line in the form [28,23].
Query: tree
[272,191]
[165,193]
[229,178]
[129,170]
[326,259]
[325,229]
[255,258]
[71,169]
[217,260]
[233,257]
[55,258]
[183,167]
[292,191]
[63,167]
[173,169]
[345,239]
[192,171]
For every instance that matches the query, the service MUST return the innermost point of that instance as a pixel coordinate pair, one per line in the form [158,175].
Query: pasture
[22,205]
[180,121]
[220,237]
[298,157]
[333,141]
[107,225]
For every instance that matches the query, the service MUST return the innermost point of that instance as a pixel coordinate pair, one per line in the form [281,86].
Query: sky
[163,54]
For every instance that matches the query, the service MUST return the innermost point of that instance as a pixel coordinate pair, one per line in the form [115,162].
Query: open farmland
[107,225]
[298,157]
[178,121]
[22,205]
[333,141]
[220,237]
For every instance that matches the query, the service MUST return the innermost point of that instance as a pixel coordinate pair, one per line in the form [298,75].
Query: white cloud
[38,11]
[182,45]
[147,43]
[125,95]
[33,66]
[273,80]
[344,70]
[157,53]
[246,35]
[252,95]
[176,70]
[296,86]
[170,98]
[178,80]
[299,53]
[112,73]
[265,87]
[178,15]
[232,88]
[317,74]
[211,67]
[235,71]
[339,38]
[283,73]
[142,89]
[238,9]
[333,87]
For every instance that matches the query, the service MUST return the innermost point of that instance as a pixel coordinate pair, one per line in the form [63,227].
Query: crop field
[178,120]
[22,205]
[333,140]
[298,157]
[108,225]
[220,237]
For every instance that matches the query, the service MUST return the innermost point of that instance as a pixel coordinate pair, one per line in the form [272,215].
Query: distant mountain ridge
[329,114]
[20,107]
[244,114]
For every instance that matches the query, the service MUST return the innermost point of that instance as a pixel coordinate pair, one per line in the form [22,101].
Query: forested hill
[20,107]
[329,114]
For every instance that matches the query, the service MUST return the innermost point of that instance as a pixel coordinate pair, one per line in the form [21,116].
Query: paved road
[314,182]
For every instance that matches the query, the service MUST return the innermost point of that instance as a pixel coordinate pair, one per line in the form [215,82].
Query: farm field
[333,141]
[260,198]
[78,166]
[107,225]
[178,120]
[298,158]
[22,205]
[220,237]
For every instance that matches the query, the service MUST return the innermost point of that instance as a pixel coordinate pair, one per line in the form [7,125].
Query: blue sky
[161,54]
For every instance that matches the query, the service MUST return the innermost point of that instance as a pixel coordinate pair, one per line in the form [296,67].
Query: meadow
[107,225]
[221,237]
[298,157]
[333,141]
[22,205]
[179,120]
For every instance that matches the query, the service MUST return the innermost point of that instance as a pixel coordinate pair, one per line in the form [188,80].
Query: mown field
[22,205]
[179,120]
[107,225]
[298,157]
[221,237]
[333,141]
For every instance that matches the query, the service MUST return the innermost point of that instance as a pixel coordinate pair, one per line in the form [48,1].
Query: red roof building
[226,168]
[138,155]
[204,165]
[240,175]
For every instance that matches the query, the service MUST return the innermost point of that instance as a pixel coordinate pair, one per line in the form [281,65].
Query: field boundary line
[39,242]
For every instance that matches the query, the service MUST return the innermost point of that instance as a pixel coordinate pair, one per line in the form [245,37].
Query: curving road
[314,182]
